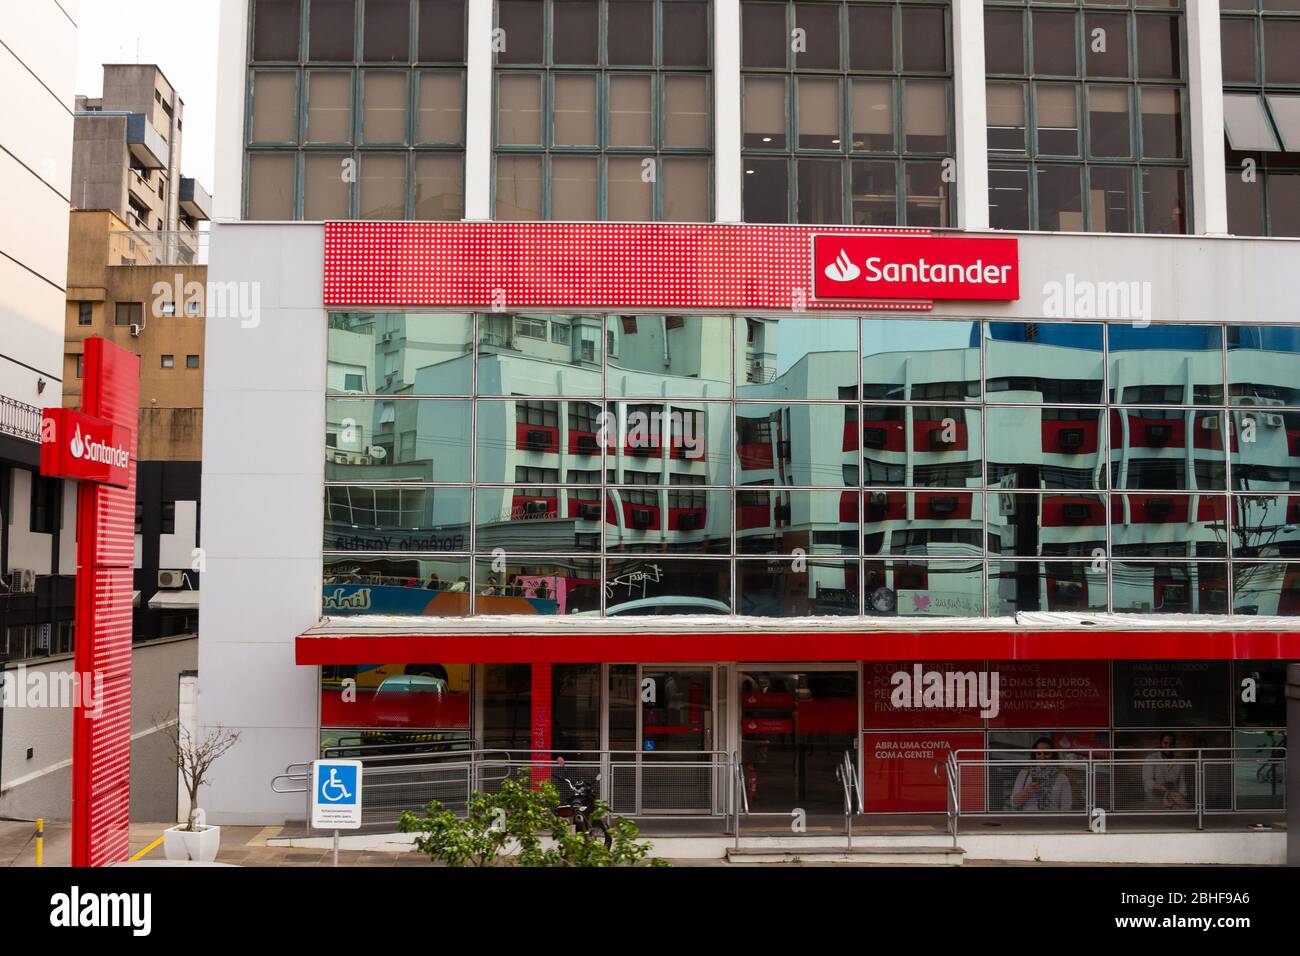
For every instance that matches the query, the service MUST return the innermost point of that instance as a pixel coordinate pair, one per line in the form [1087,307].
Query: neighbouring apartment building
[137,276]
[680,383]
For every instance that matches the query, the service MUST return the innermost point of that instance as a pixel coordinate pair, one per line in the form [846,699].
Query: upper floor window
[604,110]
[847,112]
[1260,41]
[1087,115]
[361,118]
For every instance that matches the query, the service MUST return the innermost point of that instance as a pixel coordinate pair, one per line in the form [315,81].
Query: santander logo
[842,269]
[87,449]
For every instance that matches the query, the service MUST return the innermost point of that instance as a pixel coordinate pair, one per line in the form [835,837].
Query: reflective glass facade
[548,463]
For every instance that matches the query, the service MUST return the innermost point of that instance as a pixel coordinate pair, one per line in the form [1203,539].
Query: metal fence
[1074,784]
[631,783]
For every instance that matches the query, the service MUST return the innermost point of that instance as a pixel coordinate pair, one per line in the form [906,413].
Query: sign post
[96,447]
[336,797]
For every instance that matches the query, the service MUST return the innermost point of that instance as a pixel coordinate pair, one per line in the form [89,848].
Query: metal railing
[19,419]
[142,247]
[1096,783]
[632,783]
[847,774]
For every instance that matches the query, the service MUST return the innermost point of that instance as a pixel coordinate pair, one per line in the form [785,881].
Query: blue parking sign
[336,794]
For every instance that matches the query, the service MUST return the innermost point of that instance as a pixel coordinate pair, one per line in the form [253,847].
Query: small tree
[518,816]
[194,758]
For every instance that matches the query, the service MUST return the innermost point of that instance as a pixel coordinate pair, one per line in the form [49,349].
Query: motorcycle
[580,807]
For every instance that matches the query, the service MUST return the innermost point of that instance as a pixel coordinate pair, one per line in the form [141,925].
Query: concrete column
[971,113]
[728,175]
[478,111]
[1205,139]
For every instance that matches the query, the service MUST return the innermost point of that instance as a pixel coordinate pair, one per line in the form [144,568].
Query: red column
[541,722]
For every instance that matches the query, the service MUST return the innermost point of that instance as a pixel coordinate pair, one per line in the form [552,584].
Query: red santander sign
[81,446]
[919,268]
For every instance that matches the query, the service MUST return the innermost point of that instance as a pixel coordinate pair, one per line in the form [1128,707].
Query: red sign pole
[90,451]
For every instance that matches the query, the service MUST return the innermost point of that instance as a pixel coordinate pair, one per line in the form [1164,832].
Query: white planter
[199,845]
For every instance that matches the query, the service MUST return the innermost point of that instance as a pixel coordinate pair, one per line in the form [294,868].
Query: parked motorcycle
[580,807]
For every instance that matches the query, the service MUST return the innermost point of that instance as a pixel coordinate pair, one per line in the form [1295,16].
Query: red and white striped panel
[510,265]
[101,725]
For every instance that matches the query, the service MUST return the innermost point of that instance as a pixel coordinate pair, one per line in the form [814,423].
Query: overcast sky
[178,35]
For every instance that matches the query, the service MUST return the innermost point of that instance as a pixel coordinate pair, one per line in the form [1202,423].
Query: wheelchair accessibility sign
[336,794]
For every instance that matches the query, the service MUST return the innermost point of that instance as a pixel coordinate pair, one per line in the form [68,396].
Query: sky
[178,35]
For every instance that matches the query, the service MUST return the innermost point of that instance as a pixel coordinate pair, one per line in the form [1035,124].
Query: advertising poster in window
[1052,694]
[1171,693]
[896,694]
[903,772]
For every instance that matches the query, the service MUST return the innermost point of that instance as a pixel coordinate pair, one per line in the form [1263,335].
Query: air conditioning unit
[1075,512]
[171,579]
[364,460]
[1159,509]
[1159,435]
[938,440]
[536,508]
[1068,589]
[587,445]
[688,521]
[1214,601]
[642,518]
[1174,594]
[1070,440]
[1271,420]
[386,337]
[136,330]
[943,506]
[1211,423]
[341,458]
[22,581]
[538,439]
[589,512]
[873,438]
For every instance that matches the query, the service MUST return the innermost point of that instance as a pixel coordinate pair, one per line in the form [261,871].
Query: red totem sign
[97,448]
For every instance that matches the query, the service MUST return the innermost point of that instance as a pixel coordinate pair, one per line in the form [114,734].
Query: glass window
[331,30]
[400,353]
[521,21]
[327,194]
[812,588]
[396,440]
[770,521]
[574,31]
[630,111]
[442,31]
[667,586]
[538,585]
[1069,452]
[519,187]
[329,106]
[384,106]
[1167,449]
[923,588]
[764,112]
[276,29]
[575,110]
[1038,362]
[631,33]
[1071,587]
[1004,41]
[677,518]
[270,186]
[441,117]
[766,190]
[275,107]
[386,31]
[1185,587]
[918,360]
[439,186]
[1261,365]
[383,186]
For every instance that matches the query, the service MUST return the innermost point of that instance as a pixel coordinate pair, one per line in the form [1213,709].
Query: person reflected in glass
[1041,785]
[1164,776]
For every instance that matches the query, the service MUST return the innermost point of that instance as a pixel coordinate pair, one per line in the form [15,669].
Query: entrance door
[794,729]
[676,734]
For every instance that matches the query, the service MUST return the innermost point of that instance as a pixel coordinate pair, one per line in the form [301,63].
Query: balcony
[146,143]
[140,247]
[20,420]
[196,202]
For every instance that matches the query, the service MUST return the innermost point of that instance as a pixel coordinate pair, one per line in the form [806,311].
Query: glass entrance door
[674,770]
[794,729]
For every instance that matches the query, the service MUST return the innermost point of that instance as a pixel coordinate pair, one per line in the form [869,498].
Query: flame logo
[78,446]
[842,269]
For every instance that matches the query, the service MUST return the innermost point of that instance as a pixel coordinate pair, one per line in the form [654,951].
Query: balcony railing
[20,419]
[174,248]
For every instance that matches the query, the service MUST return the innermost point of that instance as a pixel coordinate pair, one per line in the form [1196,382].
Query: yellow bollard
[40,842]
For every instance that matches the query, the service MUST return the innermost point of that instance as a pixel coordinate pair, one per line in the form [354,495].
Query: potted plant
[194,840]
